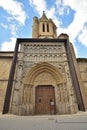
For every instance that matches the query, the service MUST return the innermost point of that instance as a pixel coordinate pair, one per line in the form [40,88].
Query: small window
[47,27]
[43,27]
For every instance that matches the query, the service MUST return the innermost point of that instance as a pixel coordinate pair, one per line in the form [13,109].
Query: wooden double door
[45,100]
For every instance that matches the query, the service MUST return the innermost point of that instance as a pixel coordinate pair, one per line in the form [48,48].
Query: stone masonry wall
[82,65]
[52,53]
[5,64]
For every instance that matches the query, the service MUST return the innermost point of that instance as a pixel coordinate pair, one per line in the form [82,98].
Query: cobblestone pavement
[50,122]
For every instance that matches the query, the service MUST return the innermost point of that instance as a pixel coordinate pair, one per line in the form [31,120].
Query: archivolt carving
[27,94]
[43,67]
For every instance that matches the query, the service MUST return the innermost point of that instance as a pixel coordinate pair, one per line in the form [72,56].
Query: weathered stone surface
[48,57]
[82,66]
[5,64]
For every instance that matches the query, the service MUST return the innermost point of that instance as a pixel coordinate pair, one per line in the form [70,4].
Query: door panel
[43,96]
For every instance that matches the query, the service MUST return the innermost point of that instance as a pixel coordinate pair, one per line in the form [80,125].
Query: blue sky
[70,16]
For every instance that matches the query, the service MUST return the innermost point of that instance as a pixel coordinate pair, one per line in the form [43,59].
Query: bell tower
[43,27]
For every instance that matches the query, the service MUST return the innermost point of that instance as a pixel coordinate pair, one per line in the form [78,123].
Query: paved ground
[57,122]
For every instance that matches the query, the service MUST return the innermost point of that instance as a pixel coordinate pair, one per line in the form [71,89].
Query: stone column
[27,99]
[63,100]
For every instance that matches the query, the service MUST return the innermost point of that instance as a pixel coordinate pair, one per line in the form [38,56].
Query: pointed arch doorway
[45,99]
[42,82]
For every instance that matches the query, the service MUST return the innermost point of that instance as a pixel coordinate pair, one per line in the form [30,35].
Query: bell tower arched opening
[43,27]
[47,27]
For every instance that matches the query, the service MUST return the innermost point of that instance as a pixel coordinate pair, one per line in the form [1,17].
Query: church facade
[45,76]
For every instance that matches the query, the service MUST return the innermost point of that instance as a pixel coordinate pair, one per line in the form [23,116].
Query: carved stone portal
[45,74]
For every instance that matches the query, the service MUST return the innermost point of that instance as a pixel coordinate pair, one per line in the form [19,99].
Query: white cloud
[76,4]
[82,36]
[14,8]
[13,28]
[5,26]
[40,5]
[8,46]
[76,26]
[80,18]
[60,7]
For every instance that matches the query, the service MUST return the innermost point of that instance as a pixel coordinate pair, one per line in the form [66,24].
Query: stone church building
[43,75]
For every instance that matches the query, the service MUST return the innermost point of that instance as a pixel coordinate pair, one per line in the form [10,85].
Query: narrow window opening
[43,27]
[47,27]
